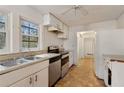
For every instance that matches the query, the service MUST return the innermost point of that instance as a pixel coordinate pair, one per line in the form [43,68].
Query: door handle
[30,82]
[36,78]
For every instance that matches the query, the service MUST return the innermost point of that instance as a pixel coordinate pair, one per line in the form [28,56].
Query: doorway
[86,44]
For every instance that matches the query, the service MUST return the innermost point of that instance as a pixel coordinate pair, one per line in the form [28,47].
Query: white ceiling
[96,13]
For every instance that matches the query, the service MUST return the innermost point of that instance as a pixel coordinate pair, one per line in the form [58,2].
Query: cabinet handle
[36,78]
[30,82]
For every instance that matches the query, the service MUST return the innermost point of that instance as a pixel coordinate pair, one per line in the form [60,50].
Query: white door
[27,82]
[41,78]
[89,46]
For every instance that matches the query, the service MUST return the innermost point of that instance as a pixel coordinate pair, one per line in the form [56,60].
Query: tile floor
[81,75]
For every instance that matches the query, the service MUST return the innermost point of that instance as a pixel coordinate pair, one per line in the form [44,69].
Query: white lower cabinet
[117,74]
[35,75]
[27,82]
[113,76]
[39,79]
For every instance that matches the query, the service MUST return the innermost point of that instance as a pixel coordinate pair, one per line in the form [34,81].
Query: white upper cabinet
[50,20]
[53,22]
[65,33]
[59,25]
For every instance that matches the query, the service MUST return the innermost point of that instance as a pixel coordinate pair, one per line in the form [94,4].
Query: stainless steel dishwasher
[54,70]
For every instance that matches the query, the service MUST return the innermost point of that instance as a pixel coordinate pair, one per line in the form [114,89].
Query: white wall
[79,45]
[109,25]
[120,21]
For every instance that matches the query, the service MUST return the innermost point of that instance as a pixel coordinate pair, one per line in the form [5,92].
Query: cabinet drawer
[14,76]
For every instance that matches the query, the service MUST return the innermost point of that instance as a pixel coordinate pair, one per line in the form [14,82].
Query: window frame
[6,49]
[21,35]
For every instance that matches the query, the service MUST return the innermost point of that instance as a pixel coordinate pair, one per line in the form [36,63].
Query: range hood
[54,29]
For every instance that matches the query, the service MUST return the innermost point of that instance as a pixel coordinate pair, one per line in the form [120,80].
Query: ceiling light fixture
[76,8]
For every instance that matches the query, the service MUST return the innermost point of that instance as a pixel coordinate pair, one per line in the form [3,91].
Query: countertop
[9,69]
[113,58]
[64,52]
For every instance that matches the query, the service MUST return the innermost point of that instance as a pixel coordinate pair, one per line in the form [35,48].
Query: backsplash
[20,54]
[50,39]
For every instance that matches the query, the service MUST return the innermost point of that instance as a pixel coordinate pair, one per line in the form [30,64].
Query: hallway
[81,75]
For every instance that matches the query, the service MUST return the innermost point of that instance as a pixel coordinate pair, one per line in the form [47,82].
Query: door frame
[77,50]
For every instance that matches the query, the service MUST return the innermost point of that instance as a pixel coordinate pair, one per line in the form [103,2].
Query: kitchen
[39,44]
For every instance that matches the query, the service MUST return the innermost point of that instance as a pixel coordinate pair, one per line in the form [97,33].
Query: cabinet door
[27,82]
[65,33]
[117,74]
[53,21]
[59,24]
[41,78]
[70,59]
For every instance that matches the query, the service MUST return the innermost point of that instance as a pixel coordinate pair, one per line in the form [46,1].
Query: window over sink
[30,37]
[2,31]
[4,38]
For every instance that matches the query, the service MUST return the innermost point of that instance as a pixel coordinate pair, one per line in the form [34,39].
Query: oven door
[65,64]
[65,59]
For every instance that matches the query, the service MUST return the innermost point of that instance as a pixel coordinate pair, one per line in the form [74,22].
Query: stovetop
[54,49]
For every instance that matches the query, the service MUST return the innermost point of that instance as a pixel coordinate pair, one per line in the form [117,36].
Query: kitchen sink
[8,63]
[18,61]
[2,67]
[32,58]
[21,61]
[12,62]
